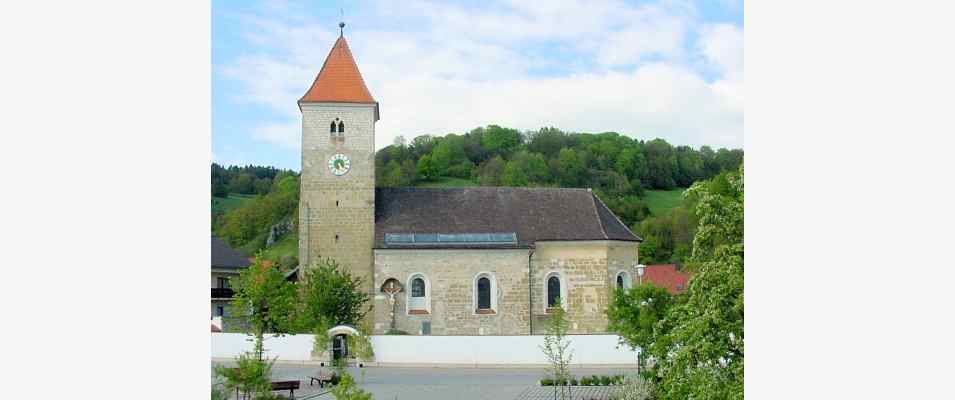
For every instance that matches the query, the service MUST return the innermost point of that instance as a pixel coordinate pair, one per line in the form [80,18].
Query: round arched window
[484,293]
[553,291]
[417,287]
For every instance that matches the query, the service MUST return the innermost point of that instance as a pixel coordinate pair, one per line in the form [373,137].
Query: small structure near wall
[338,346]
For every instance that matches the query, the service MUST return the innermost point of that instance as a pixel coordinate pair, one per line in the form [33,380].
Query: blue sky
[670,69]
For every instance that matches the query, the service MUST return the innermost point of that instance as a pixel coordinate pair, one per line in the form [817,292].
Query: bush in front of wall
[605,380]
[595,380]
[573,381]
[547,382]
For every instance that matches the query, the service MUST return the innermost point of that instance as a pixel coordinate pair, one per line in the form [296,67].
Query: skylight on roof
[411,239]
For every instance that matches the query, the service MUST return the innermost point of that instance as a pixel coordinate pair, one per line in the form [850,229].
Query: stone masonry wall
[337,213]
[450,277]
[587,271]
[584,269]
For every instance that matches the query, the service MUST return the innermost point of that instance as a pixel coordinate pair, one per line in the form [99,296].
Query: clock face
[339,164]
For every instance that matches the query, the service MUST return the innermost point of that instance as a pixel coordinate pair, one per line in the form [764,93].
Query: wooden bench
[322,377]
[286,385]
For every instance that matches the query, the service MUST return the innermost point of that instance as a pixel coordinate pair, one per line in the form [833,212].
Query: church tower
[337,203]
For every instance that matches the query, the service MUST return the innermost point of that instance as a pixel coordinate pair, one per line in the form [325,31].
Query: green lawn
[225,204]
[287,245]
[445,181]
[660,201]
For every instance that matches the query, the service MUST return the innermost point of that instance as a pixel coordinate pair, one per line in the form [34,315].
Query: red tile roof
[339,80]
[667,276]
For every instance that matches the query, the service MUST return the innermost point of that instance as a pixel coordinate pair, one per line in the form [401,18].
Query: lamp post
[641,269]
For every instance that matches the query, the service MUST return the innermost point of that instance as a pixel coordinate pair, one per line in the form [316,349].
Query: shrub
[585,381]
[605,380]
[347,390]
[252,375]
[634,388]
[594,380]
[573,381]
[547,382]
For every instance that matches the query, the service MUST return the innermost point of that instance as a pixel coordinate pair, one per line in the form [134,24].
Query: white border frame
[427,292]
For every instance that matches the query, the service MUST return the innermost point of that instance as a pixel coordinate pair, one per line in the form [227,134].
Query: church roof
[534,214]
[339,80]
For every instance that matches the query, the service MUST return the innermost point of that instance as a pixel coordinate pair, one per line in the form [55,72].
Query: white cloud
[722,46]
[463,68]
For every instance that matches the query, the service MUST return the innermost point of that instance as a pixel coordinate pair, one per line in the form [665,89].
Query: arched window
[417,287]
[553,291]
[484,293]
[341,127]
[419,300]
[623,280]
[332,130]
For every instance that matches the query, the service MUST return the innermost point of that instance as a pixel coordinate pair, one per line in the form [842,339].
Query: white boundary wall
[442,350]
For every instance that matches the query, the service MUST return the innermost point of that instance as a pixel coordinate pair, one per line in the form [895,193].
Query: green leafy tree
[251,376]
[332,296]
[570,168]
[661,164]
[698,345]
[514,175]
[635,313]
[491,172]
[498,140]
[427,169]
[264,302]
[242,183]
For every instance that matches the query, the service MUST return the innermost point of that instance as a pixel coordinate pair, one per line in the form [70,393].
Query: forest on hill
[631,176]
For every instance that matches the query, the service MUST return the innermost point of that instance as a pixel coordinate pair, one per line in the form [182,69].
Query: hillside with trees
[640,180]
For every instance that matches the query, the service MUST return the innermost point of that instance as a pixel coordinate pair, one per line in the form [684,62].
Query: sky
[645,69]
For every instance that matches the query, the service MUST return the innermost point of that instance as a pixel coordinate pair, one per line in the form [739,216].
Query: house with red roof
[669,276]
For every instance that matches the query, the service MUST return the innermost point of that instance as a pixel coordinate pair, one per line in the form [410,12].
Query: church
[449,261]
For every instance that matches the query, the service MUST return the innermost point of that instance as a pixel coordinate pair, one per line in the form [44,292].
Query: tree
[556,346]
[634,313]
[264,302]
[427,169]
[241,183]
[489,174]
[697,345]
[570,168]
[514,175]
[498,140]
[661,164]
[332,296]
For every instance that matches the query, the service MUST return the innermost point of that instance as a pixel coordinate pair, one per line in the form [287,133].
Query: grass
[287,245]
[445,182]
[226,204]
[660,201]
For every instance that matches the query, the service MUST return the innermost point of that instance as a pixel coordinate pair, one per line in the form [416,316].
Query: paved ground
[391,383]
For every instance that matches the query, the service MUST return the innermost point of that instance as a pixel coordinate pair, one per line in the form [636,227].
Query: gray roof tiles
[224,256]
[535,214]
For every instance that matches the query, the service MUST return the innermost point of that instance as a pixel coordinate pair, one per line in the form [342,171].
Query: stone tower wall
[337,213]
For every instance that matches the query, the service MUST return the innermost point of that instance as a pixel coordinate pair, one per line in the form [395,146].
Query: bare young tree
[556,348]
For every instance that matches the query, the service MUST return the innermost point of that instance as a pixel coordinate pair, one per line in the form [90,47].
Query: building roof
[339,80]
[224,256]
[534,214]
[667,276]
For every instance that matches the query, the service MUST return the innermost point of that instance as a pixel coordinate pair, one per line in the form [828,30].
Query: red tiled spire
[339,80]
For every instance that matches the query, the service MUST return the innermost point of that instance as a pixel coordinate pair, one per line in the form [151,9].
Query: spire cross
[341,25]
